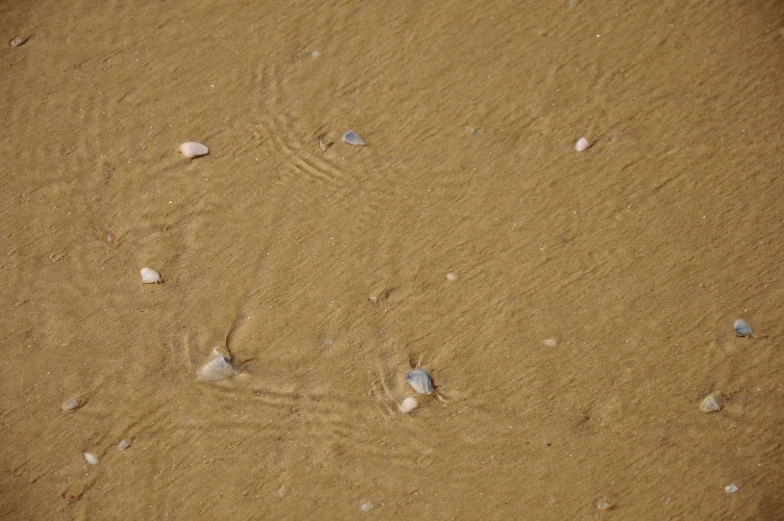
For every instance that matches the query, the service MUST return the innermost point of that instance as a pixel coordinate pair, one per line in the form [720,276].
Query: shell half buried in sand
[192,149]
[420,380]
[218,368]
[352,138]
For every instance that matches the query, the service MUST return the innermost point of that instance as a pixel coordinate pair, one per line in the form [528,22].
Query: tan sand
[635,255]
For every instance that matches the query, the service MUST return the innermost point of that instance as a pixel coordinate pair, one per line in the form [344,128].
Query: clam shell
[90,458]
[70,405]
[742,328]
[408,405]
[420,380]
[150,276]
[124,444]
[192,149]
[352,138]
[219,368]
[710,404]
[582,144]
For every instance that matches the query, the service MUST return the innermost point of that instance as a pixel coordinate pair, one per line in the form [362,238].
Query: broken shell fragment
[123,445]
[731,488]
[352,138]
[150,276]
[90,458]
[219,368]
[16,42]
[408,405]
[192,149]
[742,328]
[420,380]
[70,405]
[582,144]
[710,404]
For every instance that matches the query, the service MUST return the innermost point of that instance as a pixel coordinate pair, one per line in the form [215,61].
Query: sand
[636,256]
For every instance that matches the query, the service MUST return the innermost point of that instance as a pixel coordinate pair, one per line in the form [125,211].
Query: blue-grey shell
[352,138]
[420,380]
[742,328]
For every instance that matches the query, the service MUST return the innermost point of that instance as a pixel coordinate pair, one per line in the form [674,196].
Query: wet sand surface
[635,256]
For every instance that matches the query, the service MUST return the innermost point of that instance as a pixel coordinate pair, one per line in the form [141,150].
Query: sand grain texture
[636,254]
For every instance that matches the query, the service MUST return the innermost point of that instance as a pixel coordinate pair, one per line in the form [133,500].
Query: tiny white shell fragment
[731,488]
[603,505]
[352,138]
[192,149]
[124,444]
[150,276]
[408,405]
[550,342]
[218,368]
[420,380]
[90,458]
[451,277]
[742,328]
[582,144]
[70,405]
[367,506]
[16,42]
[710,404]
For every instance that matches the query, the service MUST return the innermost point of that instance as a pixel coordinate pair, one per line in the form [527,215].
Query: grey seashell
[710,404]
[18,41]
[124,444]
[352,138]
[742,328]
[219,368]
[731,488]
[420,380]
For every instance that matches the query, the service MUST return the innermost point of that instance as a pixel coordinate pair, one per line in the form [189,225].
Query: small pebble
[70,405]
[420,380]
[451,277]
[352,138]
[710,404]
[367,506]
[90,458]
[408,405]
[742,328]
[16,42]
[731,489]
[603,505]
[192,149]
[582,144]
[150,276]
[123,445]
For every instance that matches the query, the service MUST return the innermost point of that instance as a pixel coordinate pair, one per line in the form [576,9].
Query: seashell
[70,405]
[367,506]
[352,138]
[90,458]
[731,488]
[111,237]
[451,277]
[420,380]
[742,328]
[219,368]
[408,405]
[192,149]
[124,444]
[582,144]
[710,404]
[603,505]
[550,342]
[18,41]
[150,276]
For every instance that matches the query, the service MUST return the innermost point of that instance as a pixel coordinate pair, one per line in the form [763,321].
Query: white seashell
[742,328]
[731,488]
[603,505]
[70,405]
[90,458]
[352,138]
[192,149]
[408,405]
[367,506]
[150,276]
[218,368]
[710,404]
[582,144]
[124,444]
[420,380]
[550,342]
[451,277]
[16,42]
